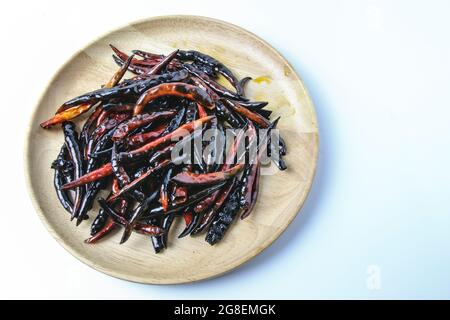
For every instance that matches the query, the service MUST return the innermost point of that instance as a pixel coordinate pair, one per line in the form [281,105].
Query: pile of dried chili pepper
[127,145]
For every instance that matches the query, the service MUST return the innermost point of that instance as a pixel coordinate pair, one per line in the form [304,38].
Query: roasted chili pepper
[142,138]
[164,197]
[60,165]
[242,83]
[182,131]
[218,202]
[138,121]
[218,88]
[119,171]
[224,217]
[213,63]
[135,183]
[102,172]
[66,115]
[188,178]
[163,63]
[178,89]
[87,127]
[131,136]
[166,224]
[103,224]
[246,203]
[223,112]
[133,89]
[137,213]
[253,116]
[193,222]
[193,199]
[73,148]
[119,73]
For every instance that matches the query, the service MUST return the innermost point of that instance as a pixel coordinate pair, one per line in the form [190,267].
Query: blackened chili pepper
[213,63]
[73,148]
[218,88]
[133,89]
[193,222]
[164,197]
[224,217]
[59,165]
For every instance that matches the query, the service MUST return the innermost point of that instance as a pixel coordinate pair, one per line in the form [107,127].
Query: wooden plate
[189,259]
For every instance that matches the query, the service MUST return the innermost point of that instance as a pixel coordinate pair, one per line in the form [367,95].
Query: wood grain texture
[189,259]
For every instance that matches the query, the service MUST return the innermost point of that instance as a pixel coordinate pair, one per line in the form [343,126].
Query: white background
[379,74]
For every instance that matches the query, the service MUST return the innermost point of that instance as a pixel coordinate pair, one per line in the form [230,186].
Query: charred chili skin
[73,148]
[216,201]
[252,116]
[114,121]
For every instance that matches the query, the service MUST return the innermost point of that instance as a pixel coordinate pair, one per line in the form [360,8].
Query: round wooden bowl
[191,258]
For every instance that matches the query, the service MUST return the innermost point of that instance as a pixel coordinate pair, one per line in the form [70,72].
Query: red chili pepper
[92,176]
[189,178]
[218,202]
[136,182]
[141,138]
[253,116]
[180,132]
[66,115]
[179,89]
[138,121]
[201,111]
[163,63]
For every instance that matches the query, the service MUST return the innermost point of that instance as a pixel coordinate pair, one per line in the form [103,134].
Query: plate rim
[144,280]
